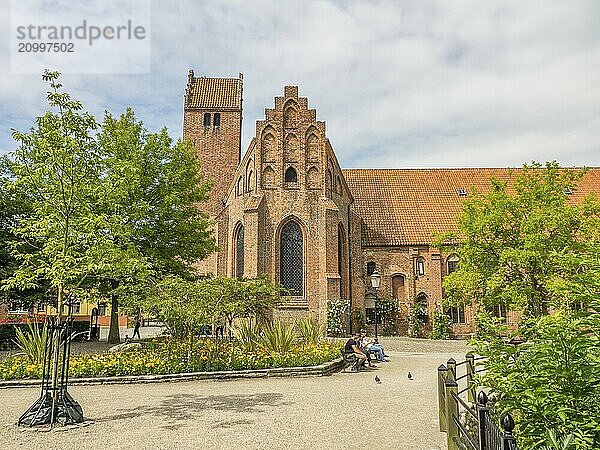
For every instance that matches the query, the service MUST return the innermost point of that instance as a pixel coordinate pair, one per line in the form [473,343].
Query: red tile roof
[408,206]
[207,92]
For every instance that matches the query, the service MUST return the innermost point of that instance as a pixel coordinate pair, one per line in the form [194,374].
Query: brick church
[286,208]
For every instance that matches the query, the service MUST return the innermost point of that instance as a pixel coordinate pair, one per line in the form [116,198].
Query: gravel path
[343,411]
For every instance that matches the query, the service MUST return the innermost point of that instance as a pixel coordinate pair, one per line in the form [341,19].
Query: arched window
[239,189]
[250,182]
[217,120]
[239,253]
[451,264]
[420,266]
[207,119]
[370,268]
[291,176]
[342,260]
[398,287]
[291,259]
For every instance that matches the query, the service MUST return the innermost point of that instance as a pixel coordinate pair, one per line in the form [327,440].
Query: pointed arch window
[239,253]
[207,119]
[291,259]
[217,120]
[342,258]
[291,176]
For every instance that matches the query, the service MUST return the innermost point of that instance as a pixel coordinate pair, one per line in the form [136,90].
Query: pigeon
[410,376]
[377,380]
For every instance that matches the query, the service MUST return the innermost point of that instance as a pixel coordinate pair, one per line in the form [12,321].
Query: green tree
[523,244]
[509,237]
[234,298]
[153,186]
[62,239]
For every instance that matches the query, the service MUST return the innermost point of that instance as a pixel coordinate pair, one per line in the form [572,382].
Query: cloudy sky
[400,83]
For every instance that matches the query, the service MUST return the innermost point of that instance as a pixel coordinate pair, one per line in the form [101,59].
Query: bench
[349,359]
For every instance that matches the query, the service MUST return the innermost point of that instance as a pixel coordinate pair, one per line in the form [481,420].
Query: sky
[400,84]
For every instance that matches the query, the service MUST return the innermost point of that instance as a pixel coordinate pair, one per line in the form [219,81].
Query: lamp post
[375,280]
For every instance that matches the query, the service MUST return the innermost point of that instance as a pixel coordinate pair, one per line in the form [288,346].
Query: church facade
[286,208]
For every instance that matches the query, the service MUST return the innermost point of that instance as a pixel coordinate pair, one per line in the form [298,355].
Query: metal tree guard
[55,405]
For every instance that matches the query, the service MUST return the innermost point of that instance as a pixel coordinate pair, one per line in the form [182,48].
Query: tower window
[291,176]
[217,120]
[207,119]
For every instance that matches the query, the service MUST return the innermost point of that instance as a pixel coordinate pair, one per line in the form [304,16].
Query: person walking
[136,329]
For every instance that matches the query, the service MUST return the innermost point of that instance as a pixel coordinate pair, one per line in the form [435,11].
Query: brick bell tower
[212,120]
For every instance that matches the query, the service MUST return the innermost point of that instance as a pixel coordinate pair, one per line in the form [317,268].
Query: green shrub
[247,332]
[415,319]
[310,330]
[278,337]
[441,325]
[552,383]
[168,355]
[32,342]
[335,314]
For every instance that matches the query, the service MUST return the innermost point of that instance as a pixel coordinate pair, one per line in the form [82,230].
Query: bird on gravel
[410,377]
[377,379]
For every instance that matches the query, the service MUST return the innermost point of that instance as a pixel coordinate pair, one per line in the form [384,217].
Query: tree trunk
[114,337]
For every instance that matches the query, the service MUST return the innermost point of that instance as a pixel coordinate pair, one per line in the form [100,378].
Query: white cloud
[400,84]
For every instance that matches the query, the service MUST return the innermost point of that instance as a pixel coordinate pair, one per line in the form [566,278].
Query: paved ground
[343,411]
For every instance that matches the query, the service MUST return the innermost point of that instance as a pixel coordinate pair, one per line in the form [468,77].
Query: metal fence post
[508,440]
[452,367]
[470,362]
[451,389]
[442,373]
[482,412]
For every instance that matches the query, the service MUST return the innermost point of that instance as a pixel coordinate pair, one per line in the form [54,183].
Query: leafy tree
[234,298]
[509,237]
[524,245]
[154,187]
[61,240]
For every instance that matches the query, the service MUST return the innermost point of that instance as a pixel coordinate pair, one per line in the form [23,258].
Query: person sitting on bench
[368,347]
[352,348]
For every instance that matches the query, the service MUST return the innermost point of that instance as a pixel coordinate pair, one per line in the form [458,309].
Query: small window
[291,176]
[18,307]
[452,264]
[77,307]
[420,266]
[568,191]
[41,306]
[462,192]
[370,268]
[500,311]
[207,119]
[457,314]
[102,309]
[217,120]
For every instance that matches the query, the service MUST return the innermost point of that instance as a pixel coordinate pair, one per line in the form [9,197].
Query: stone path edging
[321,370]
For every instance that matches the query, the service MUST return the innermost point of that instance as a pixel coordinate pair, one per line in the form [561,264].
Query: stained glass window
[291,260]
[239,253]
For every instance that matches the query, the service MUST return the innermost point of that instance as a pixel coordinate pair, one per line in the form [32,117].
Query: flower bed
[164,356]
